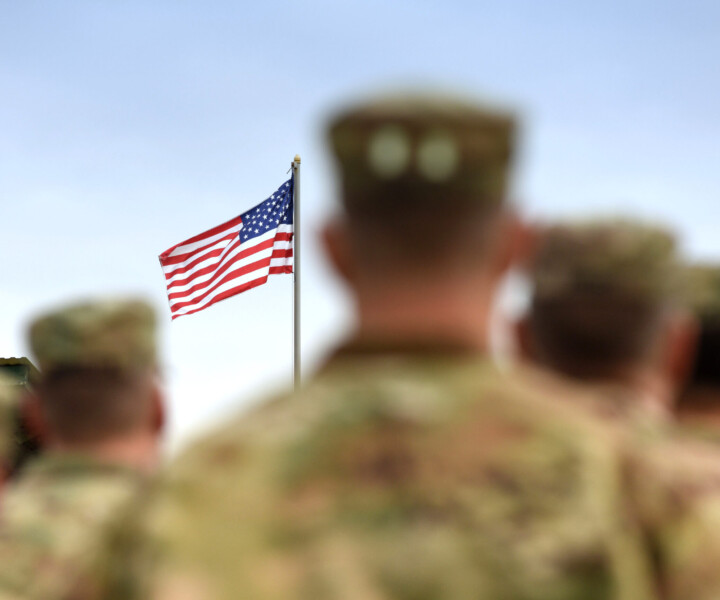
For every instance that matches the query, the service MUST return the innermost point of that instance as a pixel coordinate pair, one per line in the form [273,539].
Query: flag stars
[269,215]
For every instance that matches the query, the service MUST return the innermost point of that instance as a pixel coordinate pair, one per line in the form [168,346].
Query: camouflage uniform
[52,518]
[54,514]
[395,474]
[7,412]
[413,471]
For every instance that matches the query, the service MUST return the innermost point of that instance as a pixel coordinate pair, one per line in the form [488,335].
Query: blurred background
[126,127]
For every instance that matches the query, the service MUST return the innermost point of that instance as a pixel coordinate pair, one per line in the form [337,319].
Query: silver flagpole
[296,271]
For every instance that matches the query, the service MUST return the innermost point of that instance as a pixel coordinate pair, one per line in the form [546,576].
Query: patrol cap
[425,149]
[118,333]
[622,258]
[8,410]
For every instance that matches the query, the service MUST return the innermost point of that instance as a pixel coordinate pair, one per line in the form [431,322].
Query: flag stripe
[231,258]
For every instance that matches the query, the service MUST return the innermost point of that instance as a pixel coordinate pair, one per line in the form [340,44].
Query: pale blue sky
[128,126]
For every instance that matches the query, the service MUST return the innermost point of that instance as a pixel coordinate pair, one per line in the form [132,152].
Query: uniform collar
[69,464]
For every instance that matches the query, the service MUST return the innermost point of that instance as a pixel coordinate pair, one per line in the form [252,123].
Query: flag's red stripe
[205,234]
[226,294]
[281,270]
[282,253]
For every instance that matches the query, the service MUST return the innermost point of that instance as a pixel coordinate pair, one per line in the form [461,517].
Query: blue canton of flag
[275,211]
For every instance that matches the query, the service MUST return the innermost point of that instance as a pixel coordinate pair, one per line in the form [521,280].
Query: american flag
[232,257]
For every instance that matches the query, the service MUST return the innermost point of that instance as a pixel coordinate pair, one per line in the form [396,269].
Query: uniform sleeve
[674,488]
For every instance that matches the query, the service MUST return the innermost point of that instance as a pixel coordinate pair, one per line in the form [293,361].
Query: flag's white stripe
[228,285]
[185,248]
[281,262]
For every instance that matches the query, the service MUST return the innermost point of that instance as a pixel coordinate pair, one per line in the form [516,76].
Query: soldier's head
[99,380]
[424,189]
[606,302]
[700,399]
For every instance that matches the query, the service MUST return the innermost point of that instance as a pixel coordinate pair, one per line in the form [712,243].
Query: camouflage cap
[624,258]
[8,407]
[425,148]
[107,333]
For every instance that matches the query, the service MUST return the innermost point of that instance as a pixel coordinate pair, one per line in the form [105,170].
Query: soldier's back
[53,520]
[396,477]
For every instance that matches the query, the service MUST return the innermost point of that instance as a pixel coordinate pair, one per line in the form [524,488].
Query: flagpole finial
[297,158]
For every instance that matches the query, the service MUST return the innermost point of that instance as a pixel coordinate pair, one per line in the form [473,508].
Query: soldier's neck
[428,314]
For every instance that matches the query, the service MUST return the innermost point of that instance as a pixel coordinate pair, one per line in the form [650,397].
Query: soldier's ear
[334,236]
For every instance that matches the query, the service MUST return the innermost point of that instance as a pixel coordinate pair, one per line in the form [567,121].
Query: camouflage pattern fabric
[622,258]
[392,477]
[424,147]
[674,485]
[7,411]
[113,332]
[51,523]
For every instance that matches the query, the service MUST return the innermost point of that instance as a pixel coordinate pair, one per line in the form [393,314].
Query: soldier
[409,466]
[606,311]
[98,409]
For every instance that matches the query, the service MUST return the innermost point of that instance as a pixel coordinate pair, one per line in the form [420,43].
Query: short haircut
[420,237]
[88,404]
[592,335]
